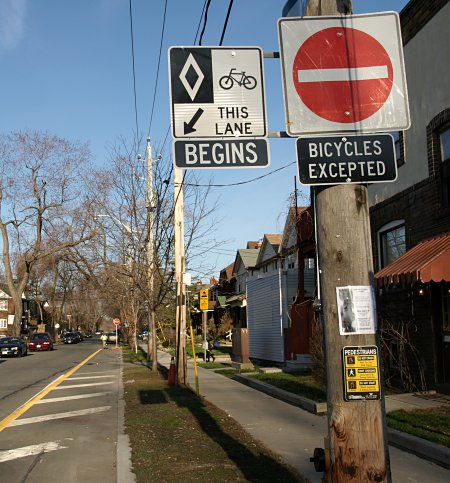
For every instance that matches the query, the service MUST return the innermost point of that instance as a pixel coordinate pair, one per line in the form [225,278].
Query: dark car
[41,341]
[71,338]
[13,346]
[88,334]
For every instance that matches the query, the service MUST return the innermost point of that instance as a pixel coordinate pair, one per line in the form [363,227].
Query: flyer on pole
[356,310]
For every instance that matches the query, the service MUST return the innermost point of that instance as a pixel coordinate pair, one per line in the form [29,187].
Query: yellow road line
[31,402]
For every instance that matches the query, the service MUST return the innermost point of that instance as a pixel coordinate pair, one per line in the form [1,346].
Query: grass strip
[130,356]
[430,424]
[302,385]
[176,436]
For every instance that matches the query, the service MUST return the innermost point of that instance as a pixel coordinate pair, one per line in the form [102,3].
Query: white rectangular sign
[343,74]
[356,310]
[217,92]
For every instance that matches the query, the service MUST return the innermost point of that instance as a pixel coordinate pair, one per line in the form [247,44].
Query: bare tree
[124,219]
[40,188]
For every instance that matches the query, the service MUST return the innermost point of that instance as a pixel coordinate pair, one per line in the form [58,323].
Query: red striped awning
[428,261]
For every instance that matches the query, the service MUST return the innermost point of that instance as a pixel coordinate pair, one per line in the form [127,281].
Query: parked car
[112,337]
[99,332]
[88,334]
[143,335]
[71,338]
[13,346]
[40,341]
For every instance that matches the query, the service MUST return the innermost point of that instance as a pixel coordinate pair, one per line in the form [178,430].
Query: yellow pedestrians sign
[361,373]
[203,299]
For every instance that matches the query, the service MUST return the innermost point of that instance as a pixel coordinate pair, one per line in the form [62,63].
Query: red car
[41,341]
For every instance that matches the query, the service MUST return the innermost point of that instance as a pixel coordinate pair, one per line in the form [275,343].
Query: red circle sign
[116,321]
[342,74]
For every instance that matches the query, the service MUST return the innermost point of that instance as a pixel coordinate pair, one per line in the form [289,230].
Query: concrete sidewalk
[293,433]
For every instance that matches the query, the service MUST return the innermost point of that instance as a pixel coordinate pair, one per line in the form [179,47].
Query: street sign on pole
[204,304]
[343,74]
[346,159]
[361,373]
[217,92]
[116,321]
[221,154]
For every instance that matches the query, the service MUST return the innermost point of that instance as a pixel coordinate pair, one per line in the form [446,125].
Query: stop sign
[342,74]
[116,321]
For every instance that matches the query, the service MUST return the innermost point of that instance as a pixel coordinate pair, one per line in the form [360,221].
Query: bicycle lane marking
[31,402]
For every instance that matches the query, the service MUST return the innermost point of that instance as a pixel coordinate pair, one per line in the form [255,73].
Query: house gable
[4,295]
[269,248]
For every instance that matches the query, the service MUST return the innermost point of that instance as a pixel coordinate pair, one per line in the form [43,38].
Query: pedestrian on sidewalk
[104,339]
[209,354]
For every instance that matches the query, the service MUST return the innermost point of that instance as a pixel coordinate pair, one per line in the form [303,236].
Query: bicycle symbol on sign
[240,78]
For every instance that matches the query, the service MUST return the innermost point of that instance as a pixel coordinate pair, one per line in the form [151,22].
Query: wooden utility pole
[152,345]
[179,270]
[356,429]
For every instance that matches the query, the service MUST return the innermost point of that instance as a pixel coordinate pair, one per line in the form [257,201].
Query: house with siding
[266,311]
[283,278]
[410,218]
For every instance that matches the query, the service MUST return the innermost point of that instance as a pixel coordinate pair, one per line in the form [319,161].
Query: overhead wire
[205,21]
[134,75]
[241,182]
[157,70]
[226,22]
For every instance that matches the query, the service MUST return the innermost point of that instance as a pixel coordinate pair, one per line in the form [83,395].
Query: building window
[391,242]
[3,324]
[3,305]
[399,147]
[444,142]
[446,308]
[438,147]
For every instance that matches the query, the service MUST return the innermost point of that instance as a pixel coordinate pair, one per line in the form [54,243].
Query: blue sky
[67,68]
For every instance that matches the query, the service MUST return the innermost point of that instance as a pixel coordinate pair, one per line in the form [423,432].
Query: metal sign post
[116,323]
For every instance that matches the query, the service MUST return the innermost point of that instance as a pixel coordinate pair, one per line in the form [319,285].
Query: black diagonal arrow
[189,126]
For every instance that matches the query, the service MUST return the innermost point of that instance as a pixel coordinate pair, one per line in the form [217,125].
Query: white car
[111,337]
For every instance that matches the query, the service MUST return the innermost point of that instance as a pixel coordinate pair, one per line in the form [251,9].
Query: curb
[422,448]
[123,451]
[299,401]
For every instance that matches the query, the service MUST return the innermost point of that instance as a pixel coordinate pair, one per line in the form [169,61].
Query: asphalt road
[59,414]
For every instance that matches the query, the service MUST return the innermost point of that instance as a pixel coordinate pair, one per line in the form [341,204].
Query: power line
[205,21]
[226,22]
[134,76]
[200,21]
[157,70]
[240,182]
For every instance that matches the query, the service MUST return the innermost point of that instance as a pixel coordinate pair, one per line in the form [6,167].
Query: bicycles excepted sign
[217,92]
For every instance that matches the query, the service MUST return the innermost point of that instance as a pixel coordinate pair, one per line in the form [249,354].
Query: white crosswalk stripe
[69,414]
[33,449]
[71,398]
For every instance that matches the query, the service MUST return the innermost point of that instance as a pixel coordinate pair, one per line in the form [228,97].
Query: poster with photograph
[356,310]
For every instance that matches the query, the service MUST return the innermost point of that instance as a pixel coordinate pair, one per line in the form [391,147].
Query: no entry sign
[343,74]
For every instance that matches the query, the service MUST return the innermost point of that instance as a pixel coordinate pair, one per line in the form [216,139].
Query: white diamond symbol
[191,90]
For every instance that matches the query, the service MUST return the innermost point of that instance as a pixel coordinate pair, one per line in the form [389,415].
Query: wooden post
[152,344]
[356,429]
[179,270]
